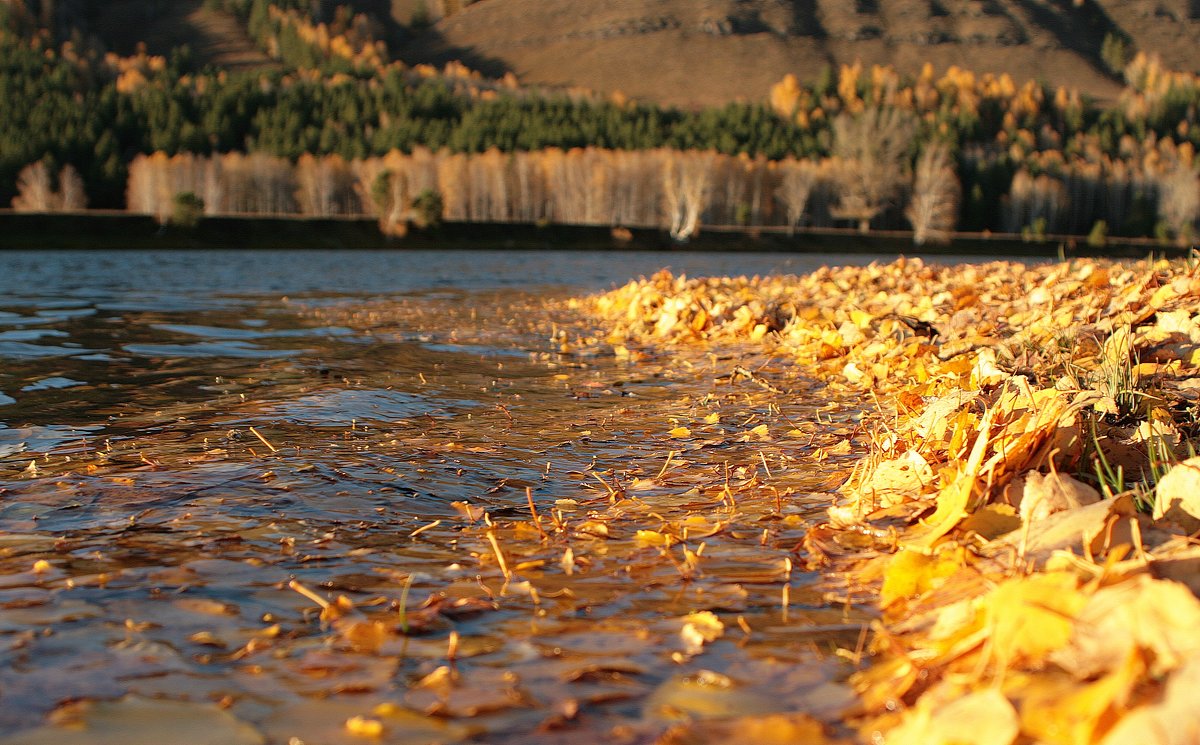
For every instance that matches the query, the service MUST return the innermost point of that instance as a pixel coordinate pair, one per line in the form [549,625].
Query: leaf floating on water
[594,528]
[139,721]
[700,629]
[446,692]
[468,511]
[350,722]
[706,695]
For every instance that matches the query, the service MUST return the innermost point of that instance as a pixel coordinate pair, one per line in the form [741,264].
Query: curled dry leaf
[1177,496]
[896,480]
[1045,494]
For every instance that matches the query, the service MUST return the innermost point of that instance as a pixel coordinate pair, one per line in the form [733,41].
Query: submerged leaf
[139,721]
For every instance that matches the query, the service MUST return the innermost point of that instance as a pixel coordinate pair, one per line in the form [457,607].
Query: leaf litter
[1023,514]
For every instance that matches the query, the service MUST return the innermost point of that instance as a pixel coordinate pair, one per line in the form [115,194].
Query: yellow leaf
[364,727]
[593,528]
[1063,710]
[134,720]
[893,481]
[1030,617]
[953,500]
[699,629]
[652,538]
[1157,617]
[992,521]
[771,729]
[712,418]
[912,572]
[1045,494]
[680,432]
[981,718]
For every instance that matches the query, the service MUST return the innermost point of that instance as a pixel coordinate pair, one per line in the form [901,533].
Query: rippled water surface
[194,445]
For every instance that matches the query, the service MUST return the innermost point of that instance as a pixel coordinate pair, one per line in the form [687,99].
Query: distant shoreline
[103,230]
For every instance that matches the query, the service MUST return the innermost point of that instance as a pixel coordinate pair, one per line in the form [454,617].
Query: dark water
[183,433]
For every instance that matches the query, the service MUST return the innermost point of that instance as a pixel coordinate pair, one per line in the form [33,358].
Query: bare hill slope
[694,52]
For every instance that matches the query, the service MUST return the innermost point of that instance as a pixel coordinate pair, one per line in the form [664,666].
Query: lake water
[195,445]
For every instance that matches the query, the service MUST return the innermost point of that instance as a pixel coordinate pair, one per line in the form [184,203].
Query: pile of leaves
[1024,516]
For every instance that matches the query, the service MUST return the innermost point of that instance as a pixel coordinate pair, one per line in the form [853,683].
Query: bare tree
[1037,202]
[873,149]
[933,210]
[687,185]
[71,193]
[796,182]
[1179,200]
[325,186]
[36,190]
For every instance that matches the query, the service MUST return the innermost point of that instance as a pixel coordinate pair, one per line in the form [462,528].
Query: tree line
[675,190]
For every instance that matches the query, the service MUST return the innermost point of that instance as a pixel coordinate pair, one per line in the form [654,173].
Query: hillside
[694,53]
[690,53]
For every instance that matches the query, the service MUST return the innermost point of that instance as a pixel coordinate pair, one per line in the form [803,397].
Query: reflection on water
[182,434]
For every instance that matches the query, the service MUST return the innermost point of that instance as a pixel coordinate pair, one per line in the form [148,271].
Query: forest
[342,128]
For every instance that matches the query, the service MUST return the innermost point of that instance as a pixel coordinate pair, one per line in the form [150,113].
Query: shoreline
[101,230]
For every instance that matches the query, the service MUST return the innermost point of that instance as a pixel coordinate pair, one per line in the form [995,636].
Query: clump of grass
[1117,374]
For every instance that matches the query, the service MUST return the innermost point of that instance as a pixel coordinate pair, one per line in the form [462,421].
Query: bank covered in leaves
[1025,512]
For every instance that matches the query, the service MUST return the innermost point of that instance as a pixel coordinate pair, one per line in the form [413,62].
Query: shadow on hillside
[213,36]
[806,21]
[430,46]
[1082,30]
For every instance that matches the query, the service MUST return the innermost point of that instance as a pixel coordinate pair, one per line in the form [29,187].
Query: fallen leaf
[771,729]
[911,572]
[1174,720]
[1177,496]
[705,695]
[134,720]
[1045,494]
[981,718]
[700,629]
[1030,617]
